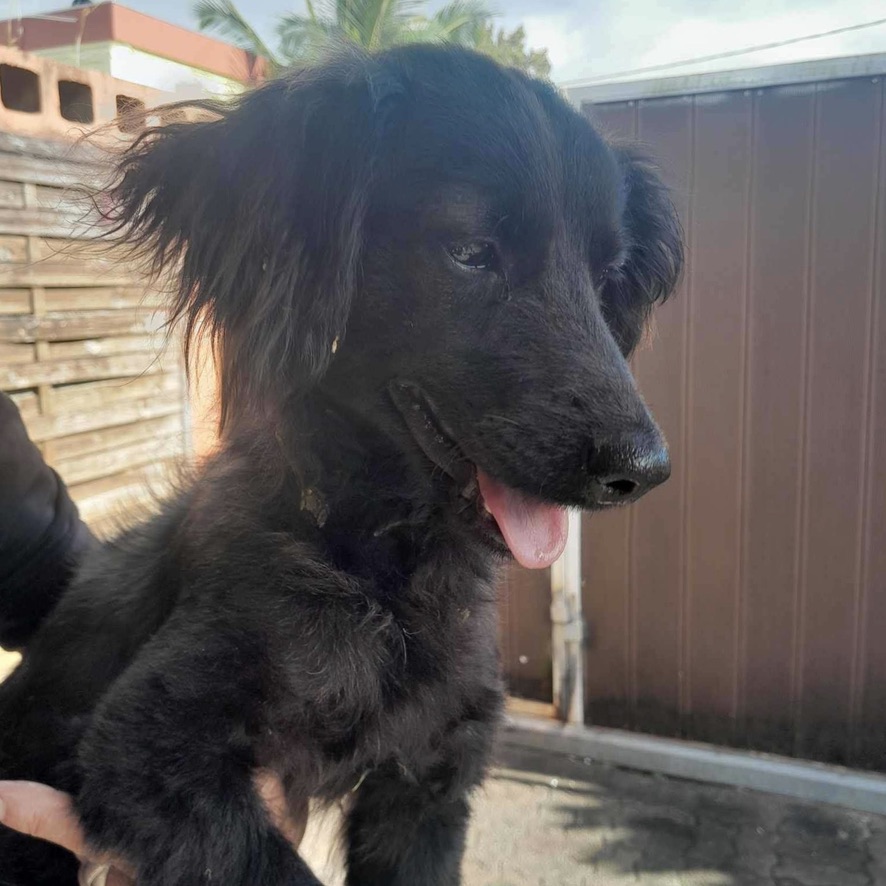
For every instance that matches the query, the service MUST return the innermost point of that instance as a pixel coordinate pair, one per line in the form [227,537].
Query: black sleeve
[41,534]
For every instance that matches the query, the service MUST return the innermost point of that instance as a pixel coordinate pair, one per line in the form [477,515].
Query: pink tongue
[535,532]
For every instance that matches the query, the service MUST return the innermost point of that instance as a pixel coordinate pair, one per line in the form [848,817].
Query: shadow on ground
[545,820]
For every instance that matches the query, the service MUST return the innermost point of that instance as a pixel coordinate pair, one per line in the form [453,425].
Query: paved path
[555,821]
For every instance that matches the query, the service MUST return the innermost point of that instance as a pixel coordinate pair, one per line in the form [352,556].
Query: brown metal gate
[525,617]
[744,602]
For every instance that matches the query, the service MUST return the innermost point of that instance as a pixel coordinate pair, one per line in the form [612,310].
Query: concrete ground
[557,821]
[545,820]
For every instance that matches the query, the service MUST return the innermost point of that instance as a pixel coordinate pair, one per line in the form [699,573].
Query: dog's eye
[479,255]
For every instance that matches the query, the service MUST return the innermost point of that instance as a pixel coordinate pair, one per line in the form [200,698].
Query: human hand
[47,814]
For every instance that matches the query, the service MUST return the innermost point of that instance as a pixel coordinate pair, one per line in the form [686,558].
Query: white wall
[170,76]
[137,66]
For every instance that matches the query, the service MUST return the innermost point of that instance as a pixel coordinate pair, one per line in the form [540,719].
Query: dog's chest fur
[405,682]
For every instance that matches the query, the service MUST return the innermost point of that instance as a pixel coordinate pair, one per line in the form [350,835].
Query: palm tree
[372,24]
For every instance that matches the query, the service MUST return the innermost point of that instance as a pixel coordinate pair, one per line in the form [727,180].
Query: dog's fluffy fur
[412,264]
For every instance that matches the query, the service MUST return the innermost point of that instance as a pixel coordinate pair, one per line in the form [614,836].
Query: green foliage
[374,25]
[510,49]
[222,17]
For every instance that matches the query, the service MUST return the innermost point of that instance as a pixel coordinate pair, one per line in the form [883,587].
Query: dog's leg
[399,835]
[167,765]
[407,832]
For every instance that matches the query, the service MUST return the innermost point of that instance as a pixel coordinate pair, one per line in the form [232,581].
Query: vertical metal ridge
[740,651]
[631,621]
[802,528]
[631,605]
[869,392]
[684,619]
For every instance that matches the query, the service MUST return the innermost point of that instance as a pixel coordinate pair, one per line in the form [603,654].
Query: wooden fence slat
[142,477]
[76,325]
[61,247]
[95,347]
[44,221]
[80,468]
[13,250]
[59,273]
[12,194]
[53,198]
[114,295]
[14,301]
[77,291]
[53,261]
[51,427]
[115,495]
[81,154]
[66,371]
[27,404]
[92,395]
[106,436]
[40,171]
[16,354]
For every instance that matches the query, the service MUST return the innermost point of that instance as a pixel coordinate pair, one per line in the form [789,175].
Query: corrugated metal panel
[837,382]
[870,700]
[657,549]
[716,399]
[778,319]
[745,601]
[610,676]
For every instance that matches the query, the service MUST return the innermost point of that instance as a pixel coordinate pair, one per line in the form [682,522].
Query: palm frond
[223,18]
[305,39]
[374,24]
[462,21]
[385,10]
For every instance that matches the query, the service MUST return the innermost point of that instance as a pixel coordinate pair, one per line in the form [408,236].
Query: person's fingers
[42,812]
[47,814]
[290,822]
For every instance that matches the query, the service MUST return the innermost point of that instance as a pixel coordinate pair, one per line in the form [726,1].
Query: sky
[588,40]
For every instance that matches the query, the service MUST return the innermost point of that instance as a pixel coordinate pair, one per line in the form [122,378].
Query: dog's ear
[653,246]
[258,211]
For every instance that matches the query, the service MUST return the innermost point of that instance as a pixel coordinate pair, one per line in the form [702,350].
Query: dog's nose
[622,470]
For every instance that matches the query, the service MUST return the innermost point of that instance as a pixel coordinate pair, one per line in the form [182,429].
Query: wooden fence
[82,342]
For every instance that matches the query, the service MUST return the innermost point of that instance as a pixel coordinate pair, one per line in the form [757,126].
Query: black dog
[423,274]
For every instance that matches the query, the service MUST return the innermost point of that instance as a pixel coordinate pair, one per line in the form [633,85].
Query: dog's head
[439,245]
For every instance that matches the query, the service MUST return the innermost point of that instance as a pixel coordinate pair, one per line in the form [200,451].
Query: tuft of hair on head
[252,210]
